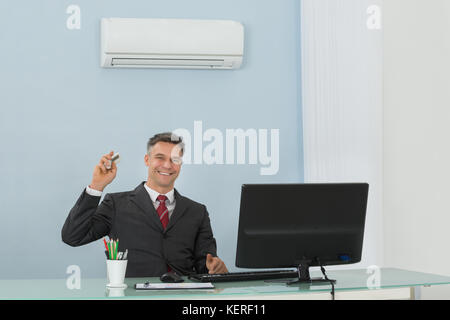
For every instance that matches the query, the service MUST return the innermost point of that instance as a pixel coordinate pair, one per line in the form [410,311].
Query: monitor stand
[304,276]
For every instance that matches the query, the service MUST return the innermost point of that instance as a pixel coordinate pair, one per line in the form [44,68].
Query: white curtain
[341,43]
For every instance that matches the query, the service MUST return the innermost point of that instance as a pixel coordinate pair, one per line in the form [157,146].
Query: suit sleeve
[205,243]
[88,221]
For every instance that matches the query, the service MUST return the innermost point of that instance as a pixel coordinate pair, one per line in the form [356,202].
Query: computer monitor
[301,225]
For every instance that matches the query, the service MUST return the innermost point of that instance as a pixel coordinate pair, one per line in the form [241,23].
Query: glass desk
[351,284]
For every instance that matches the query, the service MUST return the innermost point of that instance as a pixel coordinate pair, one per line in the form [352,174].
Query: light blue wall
[60,112]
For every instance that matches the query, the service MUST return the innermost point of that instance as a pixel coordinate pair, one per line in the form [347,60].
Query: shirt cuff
[93,192]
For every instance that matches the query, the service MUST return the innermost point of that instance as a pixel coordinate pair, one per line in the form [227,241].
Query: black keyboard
[245,276]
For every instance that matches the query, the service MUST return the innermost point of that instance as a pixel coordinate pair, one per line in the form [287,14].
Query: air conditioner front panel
[171,43]
[172,36]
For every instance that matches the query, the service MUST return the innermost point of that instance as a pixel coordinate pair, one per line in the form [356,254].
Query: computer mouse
[171,277]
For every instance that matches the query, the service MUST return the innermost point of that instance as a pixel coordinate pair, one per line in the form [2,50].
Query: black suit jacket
[131,217]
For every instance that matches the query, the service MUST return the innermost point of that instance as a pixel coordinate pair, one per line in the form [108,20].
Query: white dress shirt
[170,202]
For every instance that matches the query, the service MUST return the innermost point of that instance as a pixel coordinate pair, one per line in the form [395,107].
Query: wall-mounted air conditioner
[171,43]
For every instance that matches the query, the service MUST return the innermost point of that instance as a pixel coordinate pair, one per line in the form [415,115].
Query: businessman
[161,229]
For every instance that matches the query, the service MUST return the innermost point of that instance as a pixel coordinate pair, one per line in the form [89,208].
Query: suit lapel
[180,208]
[142,200]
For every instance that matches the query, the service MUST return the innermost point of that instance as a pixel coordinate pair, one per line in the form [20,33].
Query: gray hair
[165,137]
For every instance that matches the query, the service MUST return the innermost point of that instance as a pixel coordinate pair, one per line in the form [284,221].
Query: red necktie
[163,214]
[162,210]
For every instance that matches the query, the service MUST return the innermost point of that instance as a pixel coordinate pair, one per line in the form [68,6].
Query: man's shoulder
[193,202]
[119,195]
[188,201]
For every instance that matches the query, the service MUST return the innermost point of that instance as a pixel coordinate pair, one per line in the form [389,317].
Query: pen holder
[115,273]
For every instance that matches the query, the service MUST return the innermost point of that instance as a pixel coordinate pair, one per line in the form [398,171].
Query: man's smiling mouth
[165,173]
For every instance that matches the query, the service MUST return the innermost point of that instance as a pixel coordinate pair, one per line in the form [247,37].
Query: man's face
[164,164]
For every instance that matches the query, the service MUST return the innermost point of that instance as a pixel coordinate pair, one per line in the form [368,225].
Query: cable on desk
[331,281]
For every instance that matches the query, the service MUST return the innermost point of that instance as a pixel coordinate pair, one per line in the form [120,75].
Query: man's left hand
[215,265]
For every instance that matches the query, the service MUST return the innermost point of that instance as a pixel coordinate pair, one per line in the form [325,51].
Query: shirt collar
[154,194]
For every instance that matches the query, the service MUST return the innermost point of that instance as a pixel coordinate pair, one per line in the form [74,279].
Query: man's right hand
[104,172]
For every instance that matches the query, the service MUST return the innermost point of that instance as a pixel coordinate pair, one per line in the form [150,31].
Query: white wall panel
[342,102]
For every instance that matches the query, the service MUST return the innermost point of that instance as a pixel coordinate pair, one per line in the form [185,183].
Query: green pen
[110,250]
[113,249]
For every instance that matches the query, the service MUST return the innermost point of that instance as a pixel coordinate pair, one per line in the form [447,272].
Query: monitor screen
[285,225]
